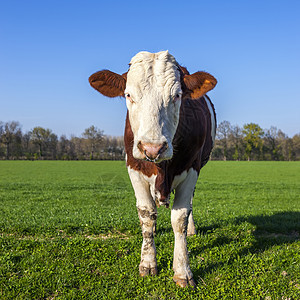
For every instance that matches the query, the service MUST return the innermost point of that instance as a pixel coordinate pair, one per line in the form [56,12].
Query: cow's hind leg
[191,230]
[179,216]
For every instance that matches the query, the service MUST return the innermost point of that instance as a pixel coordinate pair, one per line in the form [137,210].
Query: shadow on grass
[284,225]
[280,227]
[277,229]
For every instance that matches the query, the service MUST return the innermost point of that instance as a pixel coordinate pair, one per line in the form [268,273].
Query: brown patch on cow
[108,83]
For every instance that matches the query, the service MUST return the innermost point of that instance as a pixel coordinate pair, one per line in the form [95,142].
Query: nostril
[163,148]
[140,147]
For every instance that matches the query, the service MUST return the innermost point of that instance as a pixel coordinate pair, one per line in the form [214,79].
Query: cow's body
[166,155]
[192,142]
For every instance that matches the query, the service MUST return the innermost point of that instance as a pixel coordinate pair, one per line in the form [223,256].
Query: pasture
[70,230]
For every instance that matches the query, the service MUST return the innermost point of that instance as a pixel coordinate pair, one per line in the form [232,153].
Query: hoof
[185,283]
[191,233]
[148,271]
[182,283]
[192,283]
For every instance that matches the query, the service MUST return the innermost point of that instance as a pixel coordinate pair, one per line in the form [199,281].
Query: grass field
[70,230]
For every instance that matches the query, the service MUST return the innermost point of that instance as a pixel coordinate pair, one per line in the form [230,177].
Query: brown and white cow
[169,135]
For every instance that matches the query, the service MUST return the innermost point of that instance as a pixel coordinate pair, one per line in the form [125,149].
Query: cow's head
[154,87]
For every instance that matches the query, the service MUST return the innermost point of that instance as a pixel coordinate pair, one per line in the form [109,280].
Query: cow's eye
[177,97]
[128,97]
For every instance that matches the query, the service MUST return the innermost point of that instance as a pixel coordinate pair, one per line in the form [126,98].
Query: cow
[169,134]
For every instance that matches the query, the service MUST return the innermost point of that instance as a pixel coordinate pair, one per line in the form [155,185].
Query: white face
[153,97]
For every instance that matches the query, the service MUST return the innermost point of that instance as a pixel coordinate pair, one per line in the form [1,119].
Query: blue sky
[48,49]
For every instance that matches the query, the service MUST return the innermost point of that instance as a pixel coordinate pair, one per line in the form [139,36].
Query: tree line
[41,143]
[249,142]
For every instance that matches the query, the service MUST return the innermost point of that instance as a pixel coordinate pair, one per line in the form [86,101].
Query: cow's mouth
[150,159]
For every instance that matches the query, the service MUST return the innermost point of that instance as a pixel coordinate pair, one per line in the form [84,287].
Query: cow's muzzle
[152,152]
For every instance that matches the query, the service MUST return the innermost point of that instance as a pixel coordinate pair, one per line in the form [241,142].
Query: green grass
[70,230]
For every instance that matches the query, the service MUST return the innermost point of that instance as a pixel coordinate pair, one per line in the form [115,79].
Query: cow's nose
[152,151]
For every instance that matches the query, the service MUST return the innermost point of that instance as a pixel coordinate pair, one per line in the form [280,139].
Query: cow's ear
[198,84]
[108,83]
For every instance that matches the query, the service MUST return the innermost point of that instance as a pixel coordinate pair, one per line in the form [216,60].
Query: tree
[51,145]
[11,133]
[66,148]
[236,138]
[223,132]
[271,142]
[26,145]
[296,146]
[94,137]
[1,132]
[253,138]
[285,146]
[44,139]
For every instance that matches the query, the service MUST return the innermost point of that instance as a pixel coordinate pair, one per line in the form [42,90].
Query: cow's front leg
[179,216]
[148,264]
[147,214]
